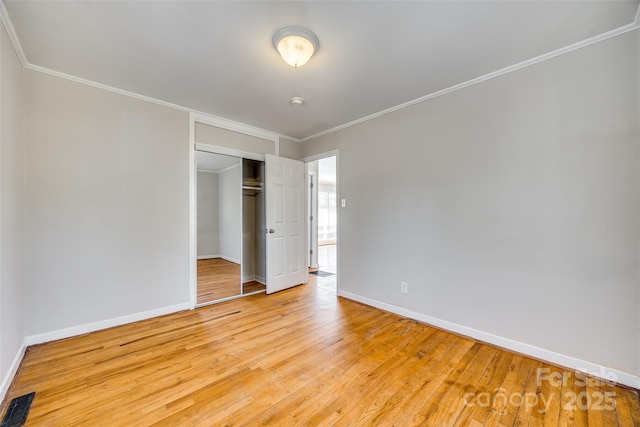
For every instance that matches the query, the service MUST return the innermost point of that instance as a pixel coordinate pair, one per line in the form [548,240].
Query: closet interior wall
[253,222]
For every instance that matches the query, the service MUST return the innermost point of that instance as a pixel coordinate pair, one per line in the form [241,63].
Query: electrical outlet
[404,287]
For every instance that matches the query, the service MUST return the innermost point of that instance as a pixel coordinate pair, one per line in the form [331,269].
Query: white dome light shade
[296,45]
[295,50]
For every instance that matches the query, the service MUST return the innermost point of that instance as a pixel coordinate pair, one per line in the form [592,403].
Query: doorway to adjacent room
[323,203]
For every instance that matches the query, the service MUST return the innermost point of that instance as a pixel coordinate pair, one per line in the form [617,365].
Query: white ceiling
[216,56]
[211,162]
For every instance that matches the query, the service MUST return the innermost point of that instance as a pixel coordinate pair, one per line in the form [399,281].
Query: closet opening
[254,255]
[230,223]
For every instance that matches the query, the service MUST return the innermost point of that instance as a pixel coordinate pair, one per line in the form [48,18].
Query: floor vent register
[18,410]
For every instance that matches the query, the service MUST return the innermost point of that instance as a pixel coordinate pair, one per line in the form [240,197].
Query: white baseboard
[233,260]
[590,368]
[226,258]
[208,256]
[258,279]
[13,369]
[79,330]
[104,324]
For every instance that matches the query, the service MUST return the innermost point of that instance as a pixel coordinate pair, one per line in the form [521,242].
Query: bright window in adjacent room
[327,202]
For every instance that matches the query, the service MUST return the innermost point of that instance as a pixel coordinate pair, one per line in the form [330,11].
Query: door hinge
[311,218]
[310,251]
[311,184]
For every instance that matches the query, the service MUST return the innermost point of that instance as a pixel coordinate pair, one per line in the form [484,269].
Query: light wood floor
[219,278]
[302,357]
[252,286]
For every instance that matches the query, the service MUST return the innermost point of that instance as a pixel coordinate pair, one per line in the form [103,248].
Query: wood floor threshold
[303,357]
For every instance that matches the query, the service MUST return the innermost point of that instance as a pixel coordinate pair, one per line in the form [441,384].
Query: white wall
[510,206]
[229,139]
[107,205]
[289,148]
[208,201]
[208,134]
[12,211]
[230,213]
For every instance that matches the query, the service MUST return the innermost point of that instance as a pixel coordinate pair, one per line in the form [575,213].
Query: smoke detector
[296,101]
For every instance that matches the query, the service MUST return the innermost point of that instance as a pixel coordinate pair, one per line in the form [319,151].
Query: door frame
[198,146]
[306,161]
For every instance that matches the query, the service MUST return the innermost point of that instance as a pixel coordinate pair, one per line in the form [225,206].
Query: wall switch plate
[343,203]
[404,287]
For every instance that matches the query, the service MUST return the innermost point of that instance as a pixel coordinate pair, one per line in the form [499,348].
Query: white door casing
[286,226]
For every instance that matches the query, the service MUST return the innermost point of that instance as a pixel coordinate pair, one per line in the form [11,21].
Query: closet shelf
[248,188]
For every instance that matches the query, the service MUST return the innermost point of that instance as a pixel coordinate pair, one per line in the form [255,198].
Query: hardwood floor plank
[297,357]
[361,358]
[217,279]
[430,371]
[634,403]
[566,416]
[581,415]
[456,391]
[372,385]
[356,357]
[527,405]
[253,286]
[516,394]
[550,396]
[596,416]
[485,391]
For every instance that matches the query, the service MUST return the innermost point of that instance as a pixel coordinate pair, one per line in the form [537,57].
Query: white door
[286,240]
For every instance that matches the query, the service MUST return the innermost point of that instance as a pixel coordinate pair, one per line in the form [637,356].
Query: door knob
[271,231]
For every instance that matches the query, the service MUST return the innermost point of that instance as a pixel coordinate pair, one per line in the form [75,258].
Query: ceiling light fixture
[296,45]
[296,101]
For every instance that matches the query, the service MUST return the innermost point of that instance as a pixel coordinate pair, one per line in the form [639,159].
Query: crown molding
[201,117]
[511,68]
[214,120]
[11,31]
[108,88]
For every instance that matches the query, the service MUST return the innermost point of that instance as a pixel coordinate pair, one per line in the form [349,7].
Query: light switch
[343,203]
